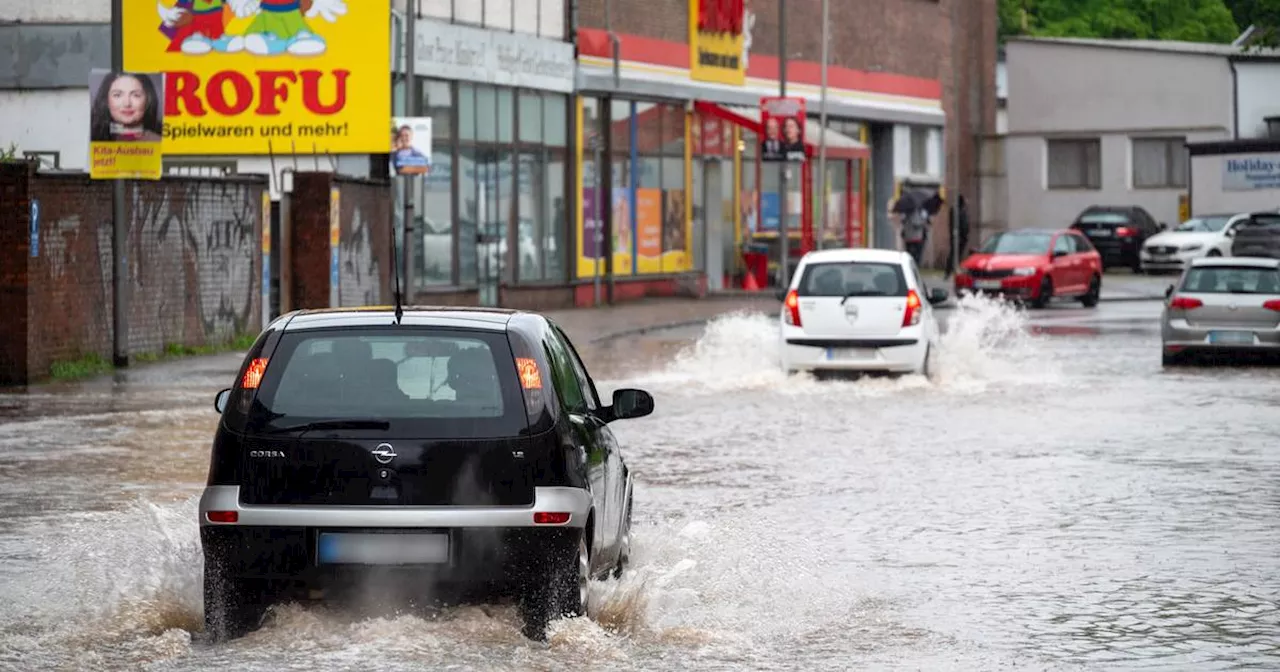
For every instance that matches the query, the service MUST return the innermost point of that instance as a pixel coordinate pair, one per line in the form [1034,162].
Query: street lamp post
[784,233]
[822,146]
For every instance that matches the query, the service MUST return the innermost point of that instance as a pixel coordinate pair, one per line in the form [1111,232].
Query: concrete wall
[195,266]
[1113,94]
[364,263]
[1259,96]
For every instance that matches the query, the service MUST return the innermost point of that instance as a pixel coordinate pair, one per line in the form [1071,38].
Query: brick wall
[952,41]
[364,273]
[194,258]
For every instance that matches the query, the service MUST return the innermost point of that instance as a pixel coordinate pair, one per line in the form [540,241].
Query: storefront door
[491,223]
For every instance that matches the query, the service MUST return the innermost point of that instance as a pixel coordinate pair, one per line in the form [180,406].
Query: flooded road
[1055,501]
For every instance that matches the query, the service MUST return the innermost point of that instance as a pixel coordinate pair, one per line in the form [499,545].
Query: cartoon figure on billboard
[275,26]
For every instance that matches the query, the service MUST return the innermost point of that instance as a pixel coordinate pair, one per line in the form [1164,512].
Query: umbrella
[908,202]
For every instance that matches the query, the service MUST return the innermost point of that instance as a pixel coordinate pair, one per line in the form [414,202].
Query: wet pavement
[1056,500]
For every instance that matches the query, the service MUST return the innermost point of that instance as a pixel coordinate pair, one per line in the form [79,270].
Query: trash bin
[756,259]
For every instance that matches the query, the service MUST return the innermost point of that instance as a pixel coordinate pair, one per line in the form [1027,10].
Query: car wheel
[1046,293]
[1170,358]
[1213,253]
[557,587]
[1090,299]
[233,606]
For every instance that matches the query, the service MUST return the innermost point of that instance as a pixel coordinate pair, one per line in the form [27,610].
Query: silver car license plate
[1231,337]
[381,548]
[987,284]
[850,353]
[1100,233]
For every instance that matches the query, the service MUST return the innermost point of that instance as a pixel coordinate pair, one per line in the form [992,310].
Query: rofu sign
[1247,173]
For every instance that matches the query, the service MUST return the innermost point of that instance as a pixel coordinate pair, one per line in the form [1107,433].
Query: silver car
[1222,306]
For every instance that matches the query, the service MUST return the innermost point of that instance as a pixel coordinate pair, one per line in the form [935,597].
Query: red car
[1034,265]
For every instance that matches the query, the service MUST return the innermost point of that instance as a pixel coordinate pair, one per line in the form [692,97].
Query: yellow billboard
[266,76]
[716,41]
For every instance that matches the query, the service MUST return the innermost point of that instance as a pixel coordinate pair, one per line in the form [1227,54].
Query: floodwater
[1055,500]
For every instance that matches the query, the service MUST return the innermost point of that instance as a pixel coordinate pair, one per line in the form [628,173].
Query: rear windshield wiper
[333,424]
[851,295]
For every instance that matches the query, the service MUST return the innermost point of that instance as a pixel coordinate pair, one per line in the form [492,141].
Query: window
[433,202]
[853,279]
[1232,280]
[434,383]
[1075,164]
[919,149]
[1082,244]
[568,388]
[46,159]
[1016,242]
[1063,245]
[535,17]
[580,371]
[1159,163]
[1206,224]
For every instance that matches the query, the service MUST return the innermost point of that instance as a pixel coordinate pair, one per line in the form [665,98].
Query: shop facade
[682,200]
[490,217]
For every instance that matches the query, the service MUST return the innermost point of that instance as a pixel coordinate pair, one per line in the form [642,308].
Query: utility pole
[784,231]
[410,108]
[119,220]
[822,146]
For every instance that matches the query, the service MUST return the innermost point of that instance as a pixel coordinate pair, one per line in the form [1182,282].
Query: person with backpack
[915,232]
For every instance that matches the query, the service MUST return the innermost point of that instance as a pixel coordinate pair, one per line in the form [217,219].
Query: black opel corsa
[448,449]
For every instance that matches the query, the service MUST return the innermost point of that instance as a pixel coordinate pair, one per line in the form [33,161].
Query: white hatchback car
[858,310]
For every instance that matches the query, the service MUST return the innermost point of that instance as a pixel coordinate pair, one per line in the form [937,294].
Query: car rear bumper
[890,355]
[573,501]
[1178,336]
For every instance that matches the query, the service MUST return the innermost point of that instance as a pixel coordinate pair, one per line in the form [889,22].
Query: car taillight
[222,516]
[792,316]
[1273,304]
[912,316]
[253,374]
[1185,303]
[1126,232]
[551,517]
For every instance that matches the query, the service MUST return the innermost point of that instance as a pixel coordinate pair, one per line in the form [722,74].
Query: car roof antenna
[395,265]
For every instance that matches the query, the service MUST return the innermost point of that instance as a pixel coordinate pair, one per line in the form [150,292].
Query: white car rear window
[852,278]
[1232,280]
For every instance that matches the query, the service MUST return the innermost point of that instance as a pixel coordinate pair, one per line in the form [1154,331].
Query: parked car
[1203,236]
[1118,232]
[449,450]
[1223,307]
[1258,236]
[859,310]
[1034,265]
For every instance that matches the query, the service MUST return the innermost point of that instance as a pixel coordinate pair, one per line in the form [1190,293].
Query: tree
[1187,20]
[1264,14]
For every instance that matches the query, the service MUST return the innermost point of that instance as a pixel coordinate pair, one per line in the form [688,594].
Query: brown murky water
[1055,501]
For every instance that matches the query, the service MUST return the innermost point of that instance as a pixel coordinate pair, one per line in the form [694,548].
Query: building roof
[1165,46]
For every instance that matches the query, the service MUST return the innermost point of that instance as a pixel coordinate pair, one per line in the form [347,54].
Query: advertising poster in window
[126,125]
[676,256]
[252,77]
[411,145]
[649,229]
[591,251]
[783,121]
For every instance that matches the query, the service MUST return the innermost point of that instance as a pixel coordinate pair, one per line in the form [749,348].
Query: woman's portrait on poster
[126,107]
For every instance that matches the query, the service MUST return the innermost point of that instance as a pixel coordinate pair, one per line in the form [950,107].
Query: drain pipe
[1235,99]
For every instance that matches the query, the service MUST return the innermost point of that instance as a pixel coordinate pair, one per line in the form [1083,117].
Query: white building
[1107,122]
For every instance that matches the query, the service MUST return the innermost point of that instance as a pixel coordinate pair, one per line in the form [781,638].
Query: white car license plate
[1100,233]
[382,548]
[1231,337]
[850,353]
[988,284]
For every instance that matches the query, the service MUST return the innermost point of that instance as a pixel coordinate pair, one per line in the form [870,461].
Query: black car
[1258,236]
[448,451]
[1118,232]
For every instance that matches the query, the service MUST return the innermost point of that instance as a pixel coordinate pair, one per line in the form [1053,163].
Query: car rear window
[852,278]
[1104,218]
[428,383]
[1232,280]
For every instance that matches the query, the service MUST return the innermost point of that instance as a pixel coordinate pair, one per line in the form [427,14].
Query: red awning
[839,145]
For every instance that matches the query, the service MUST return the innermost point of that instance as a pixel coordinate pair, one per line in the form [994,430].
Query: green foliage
[10,154]
[81,367]
[1265,14]
[1186,20]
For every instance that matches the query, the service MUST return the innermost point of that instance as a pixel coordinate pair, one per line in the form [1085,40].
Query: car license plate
[849,353]
[1100,233]
[380,548]
[1231,337]
[987,284]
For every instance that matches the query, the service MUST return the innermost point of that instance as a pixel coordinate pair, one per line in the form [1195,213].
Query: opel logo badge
[384,453]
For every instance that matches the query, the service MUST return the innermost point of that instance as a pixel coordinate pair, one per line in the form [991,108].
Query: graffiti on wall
[200,237]
[359,282]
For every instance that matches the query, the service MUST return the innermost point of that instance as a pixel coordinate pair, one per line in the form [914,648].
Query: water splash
[984,342]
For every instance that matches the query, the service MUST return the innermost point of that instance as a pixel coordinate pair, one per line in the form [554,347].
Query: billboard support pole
[119,221]
[784,230]
[410,109]
[822,146]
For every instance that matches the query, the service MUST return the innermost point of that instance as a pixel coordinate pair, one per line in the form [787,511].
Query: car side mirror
[220,401]
[937,295]
[1164,227]
[1168,291]
[1230,233]
[1059,253]
[629,403]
